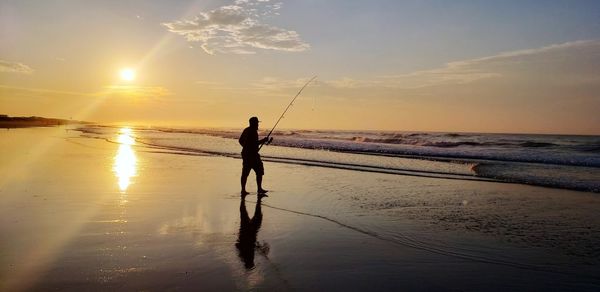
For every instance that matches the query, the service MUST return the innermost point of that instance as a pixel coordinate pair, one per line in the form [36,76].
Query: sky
[420,65]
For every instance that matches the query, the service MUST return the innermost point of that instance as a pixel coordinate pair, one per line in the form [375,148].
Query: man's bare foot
[244,193]
[262,191]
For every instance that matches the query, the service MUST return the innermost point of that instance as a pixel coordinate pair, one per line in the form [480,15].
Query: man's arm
[243,138]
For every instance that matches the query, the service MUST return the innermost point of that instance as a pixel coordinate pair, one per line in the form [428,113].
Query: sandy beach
[83,214]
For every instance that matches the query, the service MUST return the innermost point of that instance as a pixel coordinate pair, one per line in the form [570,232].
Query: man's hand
[265,140]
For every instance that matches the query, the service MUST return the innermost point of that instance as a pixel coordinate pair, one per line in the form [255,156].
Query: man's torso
[249,142]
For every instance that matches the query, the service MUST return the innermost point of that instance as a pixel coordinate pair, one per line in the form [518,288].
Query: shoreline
[565,173]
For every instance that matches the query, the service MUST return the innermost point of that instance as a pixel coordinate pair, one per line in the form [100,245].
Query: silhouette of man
[246,243]
[251,158]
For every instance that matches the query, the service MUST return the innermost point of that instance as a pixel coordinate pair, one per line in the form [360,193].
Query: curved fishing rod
[286,109]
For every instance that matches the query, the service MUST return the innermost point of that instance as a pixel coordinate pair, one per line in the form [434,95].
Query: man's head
[254,122]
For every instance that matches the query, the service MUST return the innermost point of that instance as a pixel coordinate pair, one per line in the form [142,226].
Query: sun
[127,74]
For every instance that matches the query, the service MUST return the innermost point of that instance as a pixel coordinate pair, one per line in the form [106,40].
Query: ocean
[556,161]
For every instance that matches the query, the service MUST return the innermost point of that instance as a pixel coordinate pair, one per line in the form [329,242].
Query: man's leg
[244,178]
[260,171]
[259,182]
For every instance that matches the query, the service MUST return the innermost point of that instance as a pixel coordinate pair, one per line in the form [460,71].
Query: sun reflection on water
[125,166]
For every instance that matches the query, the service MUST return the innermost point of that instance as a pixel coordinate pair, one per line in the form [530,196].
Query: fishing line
[286,109]
[315,97]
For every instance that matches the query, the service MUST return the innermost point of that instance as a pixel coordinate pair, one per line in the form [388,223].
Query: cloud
[222,86]
[135,91]
[350,83]
[273,86]
[209,83]
[571,62]
[238,29]
[265,86]
[108,91]
[452,73]
[566,69]
[273,83]
[15,67]
[14,91]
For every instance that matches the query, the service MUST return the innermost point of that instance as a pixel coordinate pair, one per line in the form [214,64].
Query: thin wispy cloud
[108,91]
[36,92]
[14,67]
[274,83]
[238,29]
[135,91]
[553,68]
[557,64]
[351,83]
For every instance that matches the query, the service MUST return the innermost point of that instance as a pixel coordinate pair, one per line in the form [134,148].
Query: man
[251,158]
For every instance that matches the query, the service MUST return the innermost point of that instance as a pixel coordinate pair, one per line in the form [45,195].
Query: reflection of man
[251,158]
[246,243]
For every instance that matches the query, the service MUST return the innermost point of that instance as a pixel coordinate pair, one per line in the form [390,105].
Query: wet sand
[84,214]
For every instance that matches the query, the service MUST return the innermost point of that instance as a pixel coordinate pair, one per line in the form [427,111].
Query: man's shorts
[252,162]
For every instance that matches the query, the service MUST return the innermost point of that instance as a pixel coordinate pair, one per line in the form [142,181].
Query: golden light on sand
[125,166]
[127,74]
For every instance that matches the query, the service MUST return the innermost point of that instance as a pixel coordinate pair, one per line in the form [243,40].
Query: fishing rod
[286,109]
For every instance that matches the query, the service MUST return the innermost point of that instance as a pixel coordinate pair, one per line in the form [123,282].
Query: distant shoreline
[7,122]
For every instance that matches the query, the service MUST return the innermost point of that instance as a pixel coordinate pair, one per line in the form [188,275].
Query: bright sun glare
[125,166]
[127,74]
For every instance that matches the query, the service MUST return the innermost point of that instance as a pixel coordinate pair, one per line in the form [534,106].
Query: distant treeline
[24,122]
